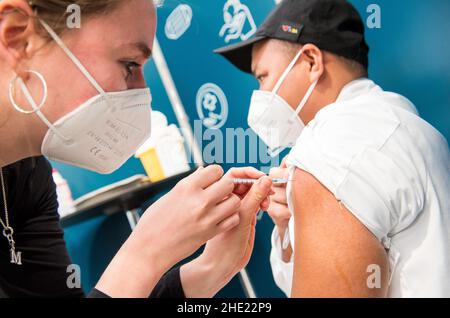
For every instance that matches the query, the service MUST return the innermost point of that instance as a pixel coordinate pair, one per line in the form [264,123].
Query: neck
[15,143]
[326,93]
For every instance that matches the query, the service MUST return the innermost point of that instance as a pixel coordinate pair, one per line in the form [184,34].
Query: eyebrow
[145,50]
[254,69]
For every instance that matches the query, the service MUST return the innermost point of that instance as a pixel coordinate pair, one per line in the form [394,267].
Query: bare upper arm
[333,249]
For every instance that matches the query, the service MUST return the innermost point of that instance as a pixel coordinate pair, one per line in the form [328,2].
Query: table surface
[122,200]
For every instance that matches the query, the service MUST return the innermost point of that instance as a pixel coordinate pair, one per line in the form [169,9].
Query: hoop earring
[27,94]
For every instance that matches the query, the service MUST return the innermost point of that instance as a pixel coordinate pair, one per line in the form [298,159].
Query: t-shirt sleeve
[169,286]
[364,162]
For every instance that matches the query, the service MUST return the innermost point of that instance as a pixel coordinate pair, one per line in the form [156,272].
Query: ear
[16,30]
[314,57]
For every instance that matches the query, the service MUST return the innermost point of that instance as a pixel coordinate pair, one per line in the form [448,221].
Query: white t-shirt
[391,169]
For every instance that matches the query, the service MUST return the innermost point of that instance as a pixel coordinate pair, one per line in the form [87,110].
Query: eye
[130,67]
[261,77]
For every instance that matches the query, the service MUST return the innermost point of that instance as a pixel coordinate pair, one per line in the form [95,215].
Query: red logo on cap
[289,29]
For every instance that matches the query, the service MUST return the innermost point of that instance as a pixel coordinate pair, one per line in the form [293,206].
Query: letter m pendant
[16,257]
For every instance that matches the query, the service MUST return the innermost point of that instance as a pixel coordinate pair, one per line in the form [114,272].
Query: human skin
[204,208]
[332,248]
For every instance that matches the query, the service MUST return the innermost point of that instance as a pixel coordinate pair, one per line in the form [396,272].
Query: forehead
[266,52]
[133,21]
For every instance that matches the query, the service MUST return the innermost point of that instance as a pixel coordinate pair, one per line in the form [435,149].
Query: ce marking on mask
[212,106]
[96,151]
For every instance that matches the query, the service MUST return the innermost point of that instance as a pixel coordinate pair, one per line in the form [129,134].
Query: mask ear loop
[36,108]
[305,99]
[275,152]
[286,72]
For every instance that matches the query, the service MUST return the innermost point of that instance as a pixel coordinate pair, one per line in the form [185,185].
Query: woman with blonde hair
[78,96]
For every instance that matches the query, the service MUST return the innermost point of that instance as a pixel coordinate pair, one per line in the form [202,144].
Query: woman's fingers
[265,205]
[225,209]
[279,173]
[220,190]
[279,195]
[204,177]
[255,197]
[228,224]
[244,173]
[279,213]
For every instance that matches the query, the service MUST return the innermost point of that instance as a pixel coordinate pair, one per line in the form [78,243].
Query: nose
[138,82]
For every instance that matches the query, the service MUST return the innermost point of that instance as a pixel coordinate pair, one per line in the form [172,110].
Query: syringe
[275,181]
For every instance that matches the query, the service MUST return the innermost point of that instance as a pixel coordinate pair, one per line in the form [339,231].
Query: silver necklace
[8,232]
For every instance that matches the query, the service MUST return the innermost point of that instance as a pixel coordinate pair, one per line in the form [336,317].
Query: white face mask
[101,134]
[273,119]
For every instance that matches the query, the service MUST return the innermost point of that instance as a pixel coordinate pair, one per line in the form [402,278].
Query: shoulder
[29,169]
[349,127]
[362,121]
[30,166]
[31,176]
[34,169]
[358,151]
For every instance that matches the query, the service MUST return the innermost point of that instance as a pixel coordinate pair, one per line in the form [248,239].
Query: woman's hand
[226,254]
[198,208]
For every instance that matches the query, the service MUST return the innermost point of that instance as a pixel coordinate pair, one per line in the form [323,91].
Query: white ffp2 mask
[101,134]
[273,119]
[104,133]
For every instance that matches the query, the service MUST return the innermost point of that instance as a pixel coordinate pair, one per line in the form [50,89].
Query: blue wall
[409,54]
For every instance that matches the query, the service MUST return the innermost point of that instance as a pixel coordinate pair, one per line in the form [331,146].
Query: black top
[32,205]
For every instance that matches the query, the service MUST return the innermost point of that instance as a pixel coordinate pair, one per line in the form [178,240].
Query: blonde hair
[54,12]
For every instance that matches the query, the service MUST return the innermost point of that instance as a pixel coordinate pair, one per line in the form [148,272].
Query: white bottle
[168,144]
[65,200]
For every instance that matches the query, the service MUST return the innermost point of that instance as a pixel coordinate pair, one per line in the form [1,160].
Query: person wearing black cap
[365,222]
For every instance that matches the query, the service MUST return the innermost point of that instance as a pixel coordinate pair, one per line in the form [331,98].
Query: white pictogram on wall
[239,22]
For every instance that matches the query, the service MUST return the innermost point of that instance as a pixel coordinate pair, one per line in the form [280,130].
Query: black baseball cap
[332,25]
